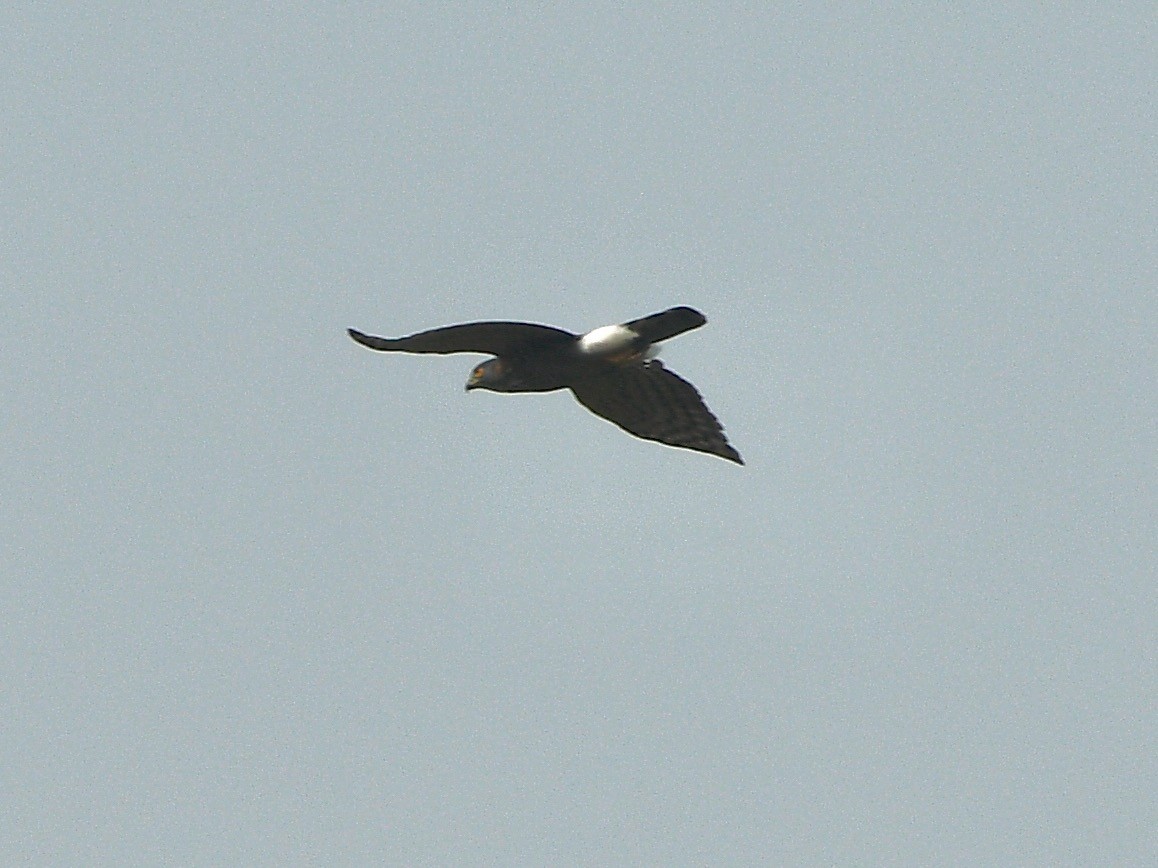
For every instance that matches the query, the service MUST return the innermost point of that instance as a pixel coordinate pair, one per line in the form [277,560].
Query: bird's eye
[477,373]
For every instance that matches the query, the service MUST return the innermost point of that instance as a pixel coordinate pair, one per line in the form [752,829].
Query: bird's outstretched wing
[496,338]
[649,401]
[667,324]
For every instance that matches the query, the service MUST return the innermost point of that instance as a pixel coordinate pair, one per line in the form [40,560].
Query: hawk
[612,371]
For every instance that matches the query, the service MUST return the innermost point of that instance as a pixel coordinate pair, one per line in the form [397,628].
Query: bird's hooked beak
[473,380]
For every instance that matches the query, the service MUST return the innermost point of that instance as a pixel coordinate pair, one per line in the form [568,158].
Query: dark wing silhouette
[661,326]
[496,338]
[649,401]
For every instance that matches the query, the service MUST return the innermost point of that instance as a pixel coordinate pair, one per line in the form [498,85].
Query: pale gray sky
[270,598]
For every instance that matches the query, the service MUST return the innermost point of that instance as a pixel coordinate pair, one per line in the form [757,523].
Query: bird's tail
[661,326]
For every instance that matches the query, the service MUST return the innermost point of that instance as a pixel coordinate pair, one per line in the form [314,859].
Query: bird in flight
[612,371]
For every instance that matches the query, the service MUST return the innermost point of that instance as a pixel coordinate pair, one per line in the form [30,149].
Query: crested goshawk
[611,371]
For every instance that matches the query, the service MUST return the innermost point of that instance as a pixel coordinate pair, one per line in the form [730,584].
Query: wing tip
[691,313]
[365,340]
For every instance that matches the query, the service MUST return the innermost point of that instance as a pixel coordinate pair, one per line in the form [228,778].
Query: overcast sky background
[269,597]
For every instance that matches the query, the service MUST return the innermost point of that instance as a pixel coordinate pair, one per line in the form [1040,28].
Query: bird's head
[493,374]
